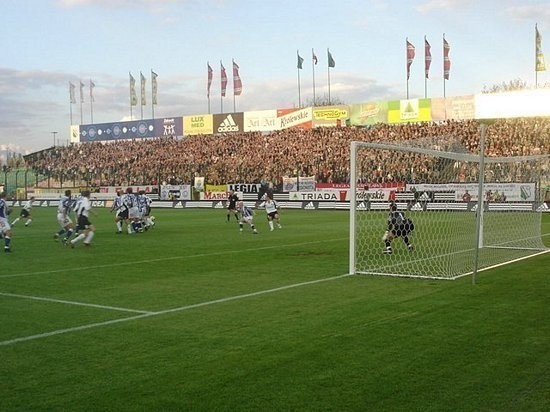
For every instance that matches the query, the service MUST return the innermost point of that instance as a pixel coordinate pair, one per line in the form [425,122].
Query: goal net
[468,212]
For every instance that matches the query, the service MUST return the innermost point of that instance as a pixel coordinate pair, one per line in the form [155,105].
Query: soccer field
[194,315]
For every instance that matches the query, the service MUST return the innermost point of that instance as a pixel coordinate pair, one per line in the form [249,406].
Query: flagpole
[71,99]
[408,67]
[152,97]
[221,91]
[91,103]
[81,101]
[141,94]
[298,69]
[444,80]
[328,76]
[426,70]
[233,71]
[313,58]
[130,87]
[536,59]
[208,83]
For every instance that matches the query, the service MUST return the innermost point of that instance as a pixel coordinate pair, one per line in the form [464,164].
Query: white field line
[163,312]
[69,302]
[145,261]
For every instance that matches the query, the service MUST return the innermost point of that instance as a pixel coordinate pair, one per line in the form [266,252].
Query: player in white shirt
[5,228]
[83,208]
[64,218]
[272,210]
[121,212]
[25,212]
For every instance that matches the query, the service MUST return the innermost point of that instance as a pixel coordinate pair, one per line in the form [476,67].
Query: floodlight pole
[54,133]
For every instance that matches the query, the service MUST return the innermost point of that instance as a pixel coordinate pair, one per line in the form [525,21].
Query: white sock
[89,237]
[78,238]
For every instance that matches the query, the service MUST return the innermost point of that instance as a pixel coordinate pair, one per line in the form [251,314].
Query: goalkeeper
[398,226]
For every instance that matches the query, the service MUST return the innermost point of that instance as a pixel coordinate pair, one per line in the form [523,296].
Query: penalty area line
[70,302]
[167,311]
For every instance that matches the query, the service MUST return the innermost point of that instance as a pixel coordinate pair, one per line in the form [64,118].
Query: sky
[48,43]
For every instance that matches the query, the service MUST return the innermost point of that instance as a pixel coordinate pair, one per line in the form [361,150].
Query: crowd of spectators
[258,157]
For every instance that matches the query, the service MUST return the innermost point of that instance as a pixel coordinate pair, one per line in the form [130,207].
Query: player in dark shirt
[232,200]
[398,226]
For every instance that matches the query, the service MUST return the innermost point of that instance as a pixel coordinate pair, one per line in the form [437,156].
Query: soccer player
[232,200]
[272,209]
[5,228]
[398,226]
[121,213]
[129,201]
[247,216]
[144,207]
[25,212]
[64,218]
[83,209]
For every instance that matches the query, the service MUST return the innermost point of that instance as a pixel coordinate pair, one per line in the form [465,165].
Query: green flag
[331,62]
[300,60]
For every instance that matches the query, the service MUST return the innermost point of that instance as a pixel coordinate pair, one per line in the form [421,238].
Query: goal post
[469,212]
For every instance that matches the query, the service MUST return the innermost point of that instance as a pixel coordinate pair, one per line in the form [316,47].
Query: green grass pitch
[194,315]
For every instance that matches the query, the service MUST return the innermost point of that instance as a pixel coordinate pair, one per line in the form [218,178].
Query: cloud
[118,4]
[532,12]
[434,5]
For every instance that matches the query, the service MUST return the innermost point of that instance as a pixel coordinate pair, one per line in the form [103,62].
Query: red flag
[446,60]
[237,83]
[427,57]
[410,57]
[209,79]
[223,79]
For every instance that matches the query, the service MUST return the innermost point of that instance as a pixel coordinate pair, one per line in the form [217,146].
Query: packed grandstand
[269,156]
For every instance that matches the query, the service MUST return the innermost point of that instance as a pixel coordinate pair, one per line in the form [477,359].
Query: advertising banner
[74,132]
[325,195]
[330,116]
[260,121]
[524,103]
[175,192]
[228,122]
[365,114]
[493,192]
[217,195]
[287,118]
[365,186]
[137,129]
[456,108]
[412,110]
[244,187]
[198,124]
[302,183]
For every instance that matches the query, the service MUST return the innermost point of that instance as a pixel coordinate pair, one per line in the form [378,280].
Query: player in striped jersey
[63,217]
[247,216]
[129,201]
[83,208]
[5,228]
[144,207]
